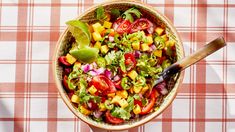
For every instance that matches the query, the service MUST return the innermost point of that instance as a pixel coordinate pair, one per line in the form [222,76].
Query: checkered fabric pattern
[29,101]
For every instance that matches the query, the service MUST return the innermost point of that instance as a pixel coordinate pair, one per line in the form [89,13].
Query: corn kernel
[102,107]
[144,89]
[137,109]
[136,45]
[70,59]
[97,27]
[75,98]
[97,45]
[145,47]
[165,37]
[137,89]
[132,74]
[84,110]
[122,94]
[123,103]
[111,95]
[158,53]
[170,43]
[116,99]
[149,39]
[92,90]
[159,30]
[107,24]
[96,36]
[104,49]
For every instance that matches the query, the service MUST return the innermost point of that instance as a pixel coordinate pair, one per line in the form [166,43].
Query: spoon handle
[192,59]
[202,53]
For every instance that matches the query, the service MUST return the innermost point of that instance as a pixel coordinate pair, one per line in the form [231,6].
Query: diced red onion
[153,47]
[97,113]
[108,73]
[89,79]
[89,104]
[111,38]
[141,96]
[164,91]
[100,71]
[115,26]
[161,88]
[86,67]
[92,73]
[116,78]
[150,30]
[137,54]
[94,65]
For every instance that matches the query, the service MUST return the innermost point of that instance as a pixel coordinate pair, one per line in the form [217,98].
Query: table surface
[29,100]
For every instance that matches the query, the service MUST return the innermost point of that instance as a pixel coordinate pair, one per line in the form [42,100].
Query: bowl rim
[122,126]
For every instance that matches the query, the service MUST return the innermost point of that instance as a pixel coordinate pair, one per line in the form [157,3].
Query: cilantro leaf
[115,13]
[100,13]
[110,57]
[137,97]
[121,113]
[166,63]
[130,106]
[122,64]
[83,95]
[144,101]
[128,14]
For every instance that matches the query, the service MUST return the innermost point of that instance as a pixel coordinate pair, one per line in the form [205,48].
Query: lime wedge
[85,54]
[80,32]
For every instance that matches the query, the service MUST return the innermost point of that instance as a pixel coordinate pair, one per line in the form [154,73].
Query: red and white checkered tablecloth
[29,101]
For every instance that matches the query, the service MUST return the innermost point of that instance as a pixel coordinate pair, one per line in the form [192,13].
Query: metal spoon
[191,59]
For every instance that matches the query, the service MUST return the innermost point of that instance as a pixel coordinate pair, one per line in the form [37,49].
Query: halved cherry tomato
[140,24]
[67,70]
[104,84]
[151,103]
[138,102]
[70,94]
[111,119]
[117,23]
[65,83]
[103,99]
[130,61]
[62,60]
[124,27]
